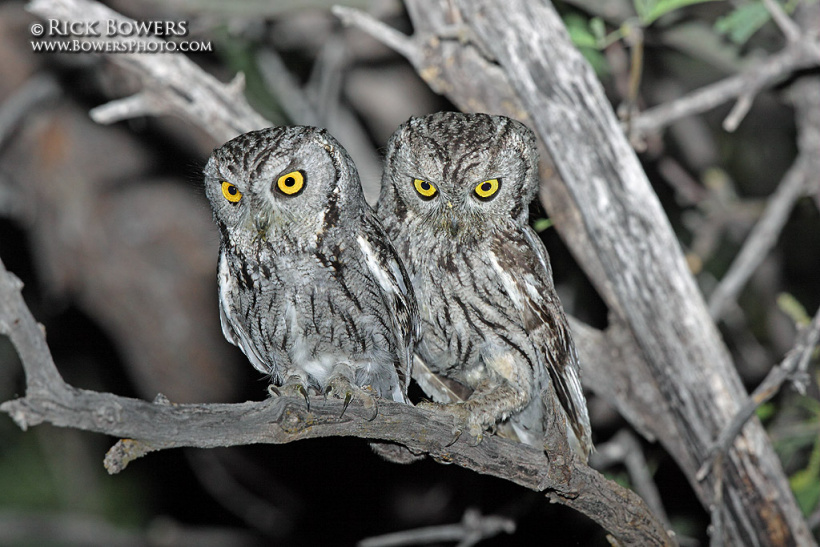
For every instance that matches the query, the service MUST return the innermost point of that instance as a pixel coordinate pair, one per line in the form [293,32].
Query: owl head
[292,182]
[460,173]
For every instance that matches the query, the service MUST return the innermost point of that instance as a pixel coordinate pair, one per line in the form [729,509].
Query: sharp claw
[348,398]
[273,390]
[304,393]
[339,384]
[456,436]
[375,411]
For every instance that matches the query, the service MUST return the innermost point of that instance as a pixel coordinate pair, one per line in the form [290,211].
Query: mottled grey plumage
[454,199]
[310,288]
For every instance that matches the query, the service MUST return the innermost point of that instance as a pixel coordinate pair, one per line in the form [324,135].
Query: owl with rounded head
[310,288]
[455,201]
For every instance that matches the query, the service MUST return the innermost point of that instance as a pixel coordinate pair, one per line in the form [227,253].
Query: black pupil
[486,187]
[232,190]
[290,181]
[425,186]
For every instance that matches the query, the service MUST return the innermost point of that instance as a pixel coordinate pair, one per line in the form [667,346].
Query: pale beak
[261,223]
[453,226]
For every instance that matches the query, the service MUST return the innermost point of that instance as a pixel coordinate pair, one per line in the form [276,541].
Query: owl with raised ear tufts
[455,201]
[310,288]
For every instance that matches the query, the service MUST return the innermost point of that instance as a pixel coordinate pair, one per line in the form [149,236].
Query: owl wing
[524,267]
[396,290]
[231,327]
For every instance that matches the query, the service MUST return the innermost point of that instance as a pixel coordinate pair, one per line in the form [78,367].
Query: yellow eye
[231,192]
[291,183]
[424,188]
[487,189]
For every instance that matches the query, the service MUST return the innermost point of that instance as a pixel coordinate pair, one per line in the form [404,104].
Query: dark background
[109,230]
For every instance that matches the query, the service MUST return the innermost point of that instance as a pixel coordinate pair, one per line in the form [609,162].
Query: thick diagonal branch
[674,370]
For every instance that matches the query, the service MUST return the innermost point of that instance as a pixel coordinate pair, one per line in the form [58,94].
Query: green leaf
[579,33]
[792,307]
[588,38]
[810,404]
[806,483]
[598,28]
[649,10]
[239,55]
[620,477]
[742,22]
[765,411]
[595,58]
[806,488]
[541,224]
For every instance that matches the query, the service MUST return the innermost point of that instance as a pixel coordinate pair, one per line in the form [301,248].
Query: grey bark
[173,84]
[162,425]
[646,282]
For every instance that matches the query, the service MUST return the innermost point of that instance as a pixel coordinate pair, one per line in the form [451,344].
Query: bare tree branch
[800,179]
[624,448]
[173,84]
[793,367]
[283,84]
[798,55]
[790,29]
[282,420]
[387,35]
[762,238]
[738,112]
[39,88]
[473,528]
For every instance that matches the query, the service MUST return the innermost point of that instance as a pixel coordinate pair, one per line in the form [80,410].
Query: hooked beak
[451,220]
[261,223]
[453,225]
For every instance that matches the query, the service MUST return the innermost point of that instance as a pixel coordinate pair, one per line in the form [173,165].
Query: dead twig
[474,527]
[789,28]
[624,448]
[406,46]
[793,367]
[800,179]
[36,90]
[798,55]
[793,34]
[761,239]
[172,84]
